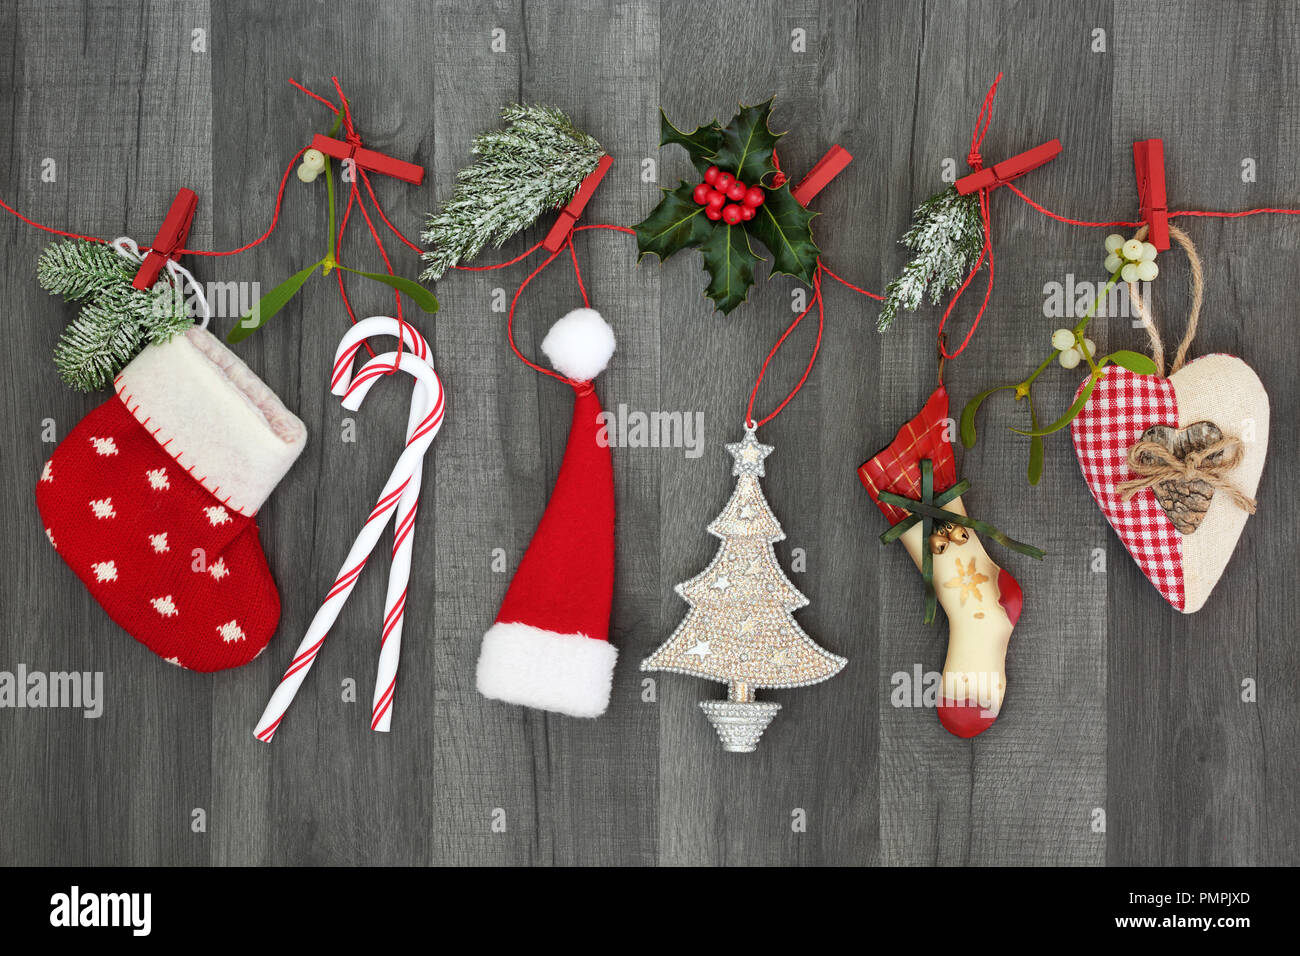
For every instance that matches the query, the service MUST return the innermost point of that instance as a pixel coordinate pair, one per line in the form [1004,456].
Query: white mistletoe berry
[217,515]
[159,542]
[47,473]
[103,508]
[218,569]
[231,631]
[104,571]
[176,661]
[164,606]
[157,479]
[50,534]
[104,446]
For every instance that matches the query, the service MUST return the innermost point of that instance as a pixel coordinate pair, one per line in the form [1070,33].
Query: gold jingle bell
[957,534]
[938,543]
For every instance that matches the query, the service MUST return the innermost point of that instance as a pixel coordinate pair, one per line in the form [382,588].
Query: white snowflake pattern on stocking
[217,515]
[157,479]
[218,569]
[231,631]
[159,542]
[104,571]
[103,508]
[104,446]
[164,606]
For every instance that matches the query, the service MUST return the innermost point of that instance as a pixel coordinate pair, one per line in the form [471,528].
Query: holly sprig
[745,150]
[1082,348]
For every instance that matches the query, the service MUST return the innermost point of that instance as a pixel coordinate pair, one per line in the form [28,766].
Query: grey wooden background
[1124,738]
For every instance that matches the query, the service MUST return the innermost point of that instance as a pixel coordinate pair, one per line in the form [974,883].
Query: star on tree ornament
[749,453]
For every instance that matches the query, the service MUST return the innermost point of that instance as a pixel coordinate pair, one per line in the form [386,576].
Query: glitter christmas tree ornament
[740,630]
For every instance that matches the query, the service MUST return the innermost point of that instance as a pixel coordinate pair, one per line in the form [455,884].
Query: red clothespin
[170,239]
[1149,165]
[990,177]
[569,215]
[368,159]
[827,168]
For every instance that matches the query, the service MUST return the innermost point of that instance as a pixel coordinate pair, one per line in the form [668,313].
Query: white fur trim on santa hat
[580,345]
[221,423]
[567,673]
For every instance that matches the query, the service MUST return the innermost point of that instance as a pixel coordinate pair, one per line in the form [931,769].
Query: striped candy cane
[405,474]
[390,644]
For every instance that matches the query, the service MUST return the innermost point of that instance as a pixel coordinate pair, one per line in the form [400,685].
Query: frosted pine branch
[116,321]
[535,164]
[947,235]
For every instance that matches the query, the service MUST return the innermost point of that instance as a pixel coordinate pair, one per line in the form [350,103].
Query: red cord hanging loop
[821,324]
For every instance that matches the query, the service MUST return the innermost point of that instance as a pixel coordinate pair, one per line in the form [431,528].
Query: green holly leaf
[677,223]
[784,226]
[729,261]
[700,144]
[747,144]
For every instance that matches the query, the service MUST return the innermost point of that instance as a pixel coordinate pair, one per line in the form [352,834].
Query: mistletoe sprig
[1130,261]
[743,152]
[316,163]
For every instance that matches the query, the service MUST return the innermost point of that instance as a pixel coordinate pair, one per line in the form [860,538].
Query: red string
[845,282]
[1073,222]
[380,209]
[976,162]
[510,319]
[987,250]
[821,321]
[982,126]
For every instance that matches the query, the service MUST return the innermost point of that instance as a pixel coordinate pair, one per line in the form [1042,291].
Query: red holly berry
[713,212]
[711,175]
[731,214]
[736,192]
[723,182]
[754,196]
[747,213]
[702,193]
[716,199]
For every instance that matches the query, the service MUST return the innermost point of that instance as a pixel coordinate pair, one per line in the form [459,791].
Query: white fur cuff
[567,673]
[219,421]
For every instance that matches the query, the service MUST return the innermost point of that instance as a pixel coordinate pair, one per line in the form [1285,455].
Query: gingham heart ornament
[1215,390]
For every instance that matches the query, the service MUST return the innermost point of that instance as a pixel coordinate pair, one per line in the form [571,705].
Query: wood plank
[123,137]
[1197,776]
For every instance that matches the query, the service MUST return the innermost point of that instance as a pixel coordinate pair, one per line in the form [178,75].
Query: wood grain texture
[1116,704]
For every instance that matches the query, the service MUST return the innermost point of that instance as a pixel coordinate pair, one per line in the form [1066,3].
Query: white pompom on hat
[580,345]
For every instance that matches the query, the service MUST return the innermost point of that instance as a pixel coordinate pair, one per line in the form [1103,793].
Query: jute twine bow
[1154,463]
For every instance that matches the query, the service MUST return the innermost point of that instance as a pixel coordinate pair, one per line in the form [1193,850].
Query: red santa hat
[549,647]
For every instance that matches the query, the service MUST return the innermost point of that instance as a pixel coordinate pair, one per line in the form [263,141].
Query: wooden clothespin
[170,239]
[570,214]
[1149,166]
[369,159]
[827,168]
[990,177]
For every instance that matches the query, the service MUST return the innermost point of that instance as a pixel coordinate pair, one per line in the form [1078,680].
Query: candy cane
[404,474]
[390,645]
